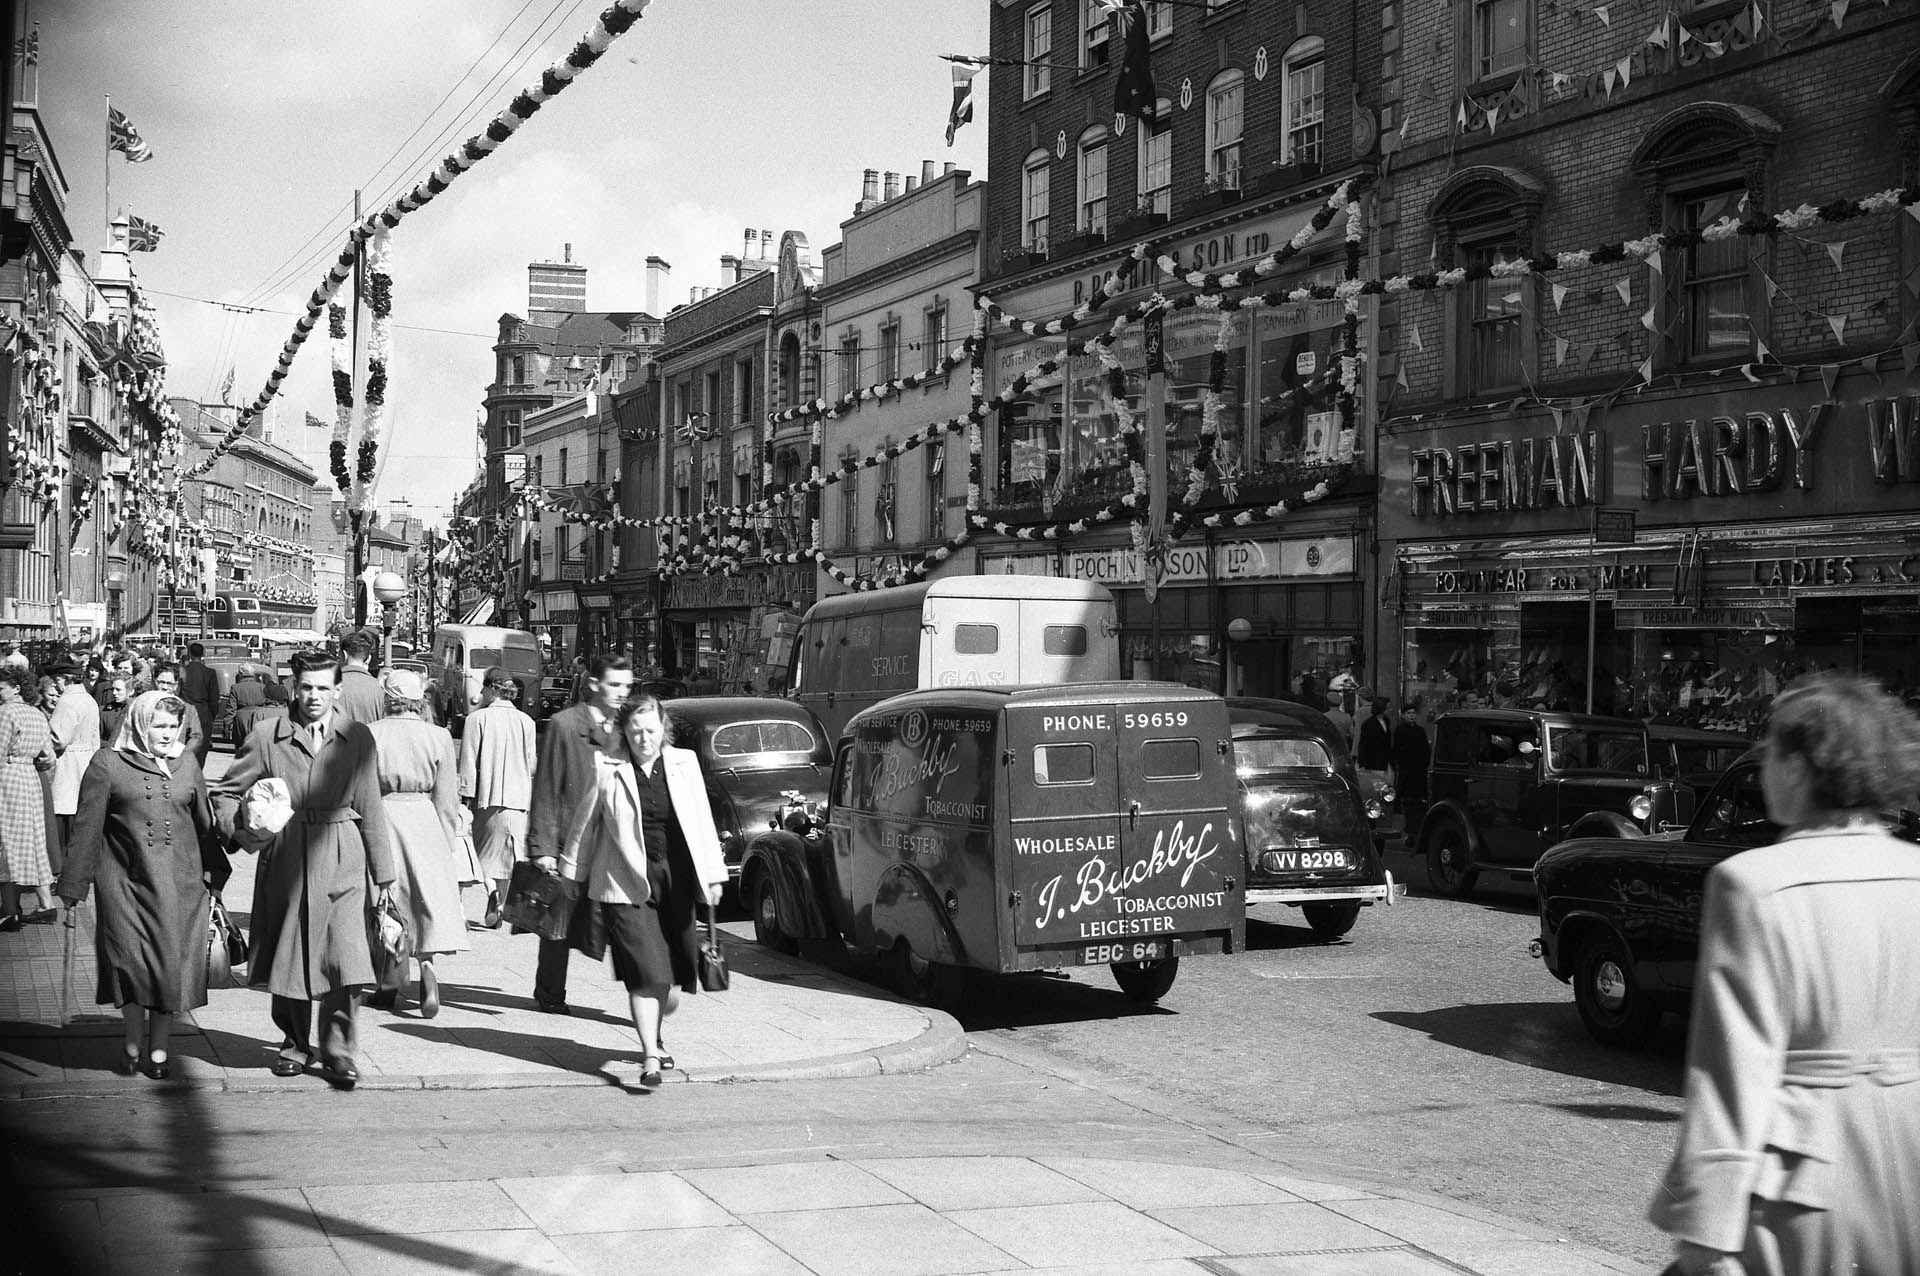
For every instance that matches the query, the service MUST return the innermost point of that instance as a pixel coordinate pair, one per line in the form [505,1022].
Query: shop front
[1773,533]
[1240,615]
[729,626]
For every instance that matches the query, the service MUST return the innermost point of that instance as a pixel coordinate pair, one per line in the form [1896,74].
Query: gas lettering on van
[972,678]
[1076,722]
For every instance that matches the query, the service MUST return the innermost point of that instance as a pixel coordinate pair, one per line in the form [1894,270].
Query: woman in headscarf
[26,750]
[1801,1136]
[420,788]
[144,835]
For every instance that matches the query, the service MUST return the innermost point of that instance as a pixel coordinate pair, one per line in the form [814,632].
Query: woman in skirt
[26,750]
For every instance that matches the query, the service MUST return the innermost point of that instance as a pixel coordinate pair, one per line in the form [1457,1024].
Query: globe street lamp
[388,589]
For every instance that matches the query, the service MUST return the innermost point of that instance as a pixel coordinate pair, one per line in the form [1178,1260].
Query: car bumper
[1372,893]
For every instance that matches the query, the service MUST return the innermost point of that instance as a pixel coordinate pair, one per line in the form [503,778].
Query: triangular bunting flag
[1646,370]
[1625,288]
[1751,375]
[1654,263]
[1773,289]
[1406,123]
[1840,12]
[1606,18]
[1559,418]
[1607,78]
[1658,36]
[1625,67]
[1462,116]
[1646,320]
[1493,118]
[1685,35]
[1910,356]
[1401,378]
[1871,364]
[1913,211]
[1829,373]
[1415,337]
[1839,325]
[1561,82]
[1559,351]
[1758,19]
[1714,48]
[1837,251]
[1760,349]
[1559,295]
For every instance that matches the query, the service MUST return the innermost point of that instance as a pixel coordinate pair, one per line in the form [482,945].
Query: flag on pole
[1133,92]
[962,111]
[122,136]
[27,47]
[226,387]
[143,236]
[315,423]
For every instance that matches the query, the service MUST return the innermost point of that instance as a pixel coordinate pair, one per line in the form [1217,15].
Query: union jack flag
[122,136]
[143,236]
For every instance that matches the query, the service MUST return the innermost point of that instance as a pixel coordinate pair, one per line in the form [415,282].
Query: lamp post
[388,589]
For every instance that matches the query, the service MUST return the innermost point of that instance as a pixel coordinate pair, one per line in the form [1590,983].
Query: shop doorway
[1553,658]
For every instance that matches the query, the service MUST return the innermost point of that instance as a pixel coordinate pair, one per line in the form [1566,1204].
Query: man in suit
[200,688]
[497,761]
[309,940]
[564,778]
[360,696]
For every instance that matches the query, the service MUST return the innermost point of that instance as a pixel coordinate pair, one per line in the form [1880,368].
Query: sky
[264,117]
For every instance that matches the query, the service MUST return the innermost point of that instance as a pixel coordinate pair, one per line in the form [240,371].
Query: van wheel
[1330,921]
[1447,857]
[1146,981]
[1612,1005]
[767,931]
[930,983]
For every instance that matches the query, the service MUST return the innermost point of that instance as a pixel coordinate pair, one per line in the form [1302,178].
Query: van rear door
[1065,640]
[970,642]
[1177,832]
[1063,800]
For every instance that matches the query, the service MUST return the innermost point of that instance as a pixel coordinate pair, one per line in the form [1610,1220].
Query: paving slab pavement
[783,1018]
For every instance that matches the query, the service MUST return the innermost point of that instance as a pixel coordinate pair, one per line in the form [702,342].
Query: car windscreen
[1596,749]
[771,735]
[1274,752]
[520,659]
[1707,759]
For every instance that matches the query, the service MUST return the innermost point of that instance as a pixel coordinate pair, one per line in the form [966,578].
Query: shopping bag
[538,901]
[220,961]
[714,975]
[230,932]
[389,944]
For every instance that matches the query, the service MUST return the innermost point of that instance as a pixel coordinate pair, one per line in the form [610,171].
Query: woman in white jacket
[646,853]
[1799,1151]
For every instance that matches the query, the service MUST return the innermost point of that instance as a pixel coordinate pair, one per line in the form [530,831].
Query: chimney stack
[892,189]
[657,269]
[912,181]
[566,253]
[926,172]
[766,244]
[869,190]
[746,248]
[729,269]
[949,168]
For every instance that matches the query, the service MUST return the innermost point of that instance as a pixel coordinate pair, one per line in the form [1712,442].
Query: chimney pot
[926,172]
[912,181]
[657,270]
[949,168]
[746,250]
[766,244]
[566,254]
[729,269]
[892,189]
[870,185]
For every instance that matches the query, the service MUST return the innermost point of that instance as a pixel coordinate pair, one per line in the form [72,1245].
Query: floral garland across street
[342,351]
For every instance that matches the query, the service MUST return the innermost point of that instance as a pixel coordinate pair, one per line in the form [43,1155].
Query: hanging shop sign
[1234,561]
[1772,619]
[783,585]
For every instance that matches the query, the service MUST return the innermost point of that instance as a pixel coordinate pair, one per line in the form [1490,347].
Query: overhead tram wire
[461,123]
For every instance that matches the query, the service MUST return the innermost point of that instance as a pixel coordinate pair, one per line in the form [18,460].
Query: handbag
[389,944]
[539,901]
[235,938]
[220,949]
[714,975]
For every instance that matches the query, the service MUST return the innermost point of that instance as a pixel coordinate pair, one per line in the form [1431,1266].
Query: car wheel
[929,983]
[1146,981]
[767,931]
[1330,921]
[1611,1003]
[1447,856]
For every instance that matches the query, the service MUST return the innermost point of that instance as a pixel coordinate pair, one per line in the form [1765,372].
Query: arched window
[790,368]
[1485,215]
[1036,195]
[1090,207]
[1225,115]
[1303,102]
[1154,182]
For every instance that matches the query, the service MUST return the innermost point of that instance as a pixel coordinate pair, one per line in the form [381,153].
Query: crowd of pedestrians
[355,800]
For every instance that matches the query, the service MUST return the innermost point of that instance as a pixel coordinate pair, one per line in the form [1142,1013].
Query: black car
[1505,784]
[755,752]
[1620,917]
[1310,837]
[1694,757]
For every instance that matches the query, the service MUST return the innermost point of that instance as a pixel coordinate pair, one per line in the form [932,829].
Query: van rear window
[1064,640]
[1170,759]
[1063,764]
[976,640]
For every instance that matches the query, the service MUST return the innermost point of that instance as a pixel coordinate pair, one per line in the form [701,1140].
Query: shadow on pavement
[527,1048]
[1264,935]
[1548,1036]
[1618,1112]
[1043,998]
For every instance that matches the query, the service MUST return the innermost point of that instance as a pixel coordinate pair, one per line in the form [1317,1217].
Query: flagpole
[106,167]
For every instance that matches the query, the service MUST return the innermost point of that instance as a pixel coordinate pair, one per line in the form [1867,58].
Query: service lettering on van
[892,666]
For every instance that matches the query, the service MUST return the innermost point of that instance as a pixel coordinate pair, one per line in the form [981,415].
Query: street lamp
[388,589]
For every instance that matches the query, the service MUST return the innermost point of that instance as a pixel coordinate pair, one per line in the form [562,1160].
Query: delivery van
[461,656]
[995,829]
[855,650]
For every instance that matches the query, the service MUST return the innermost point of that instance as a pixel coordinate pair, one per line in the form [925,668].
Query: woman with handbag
[144,834]
[644,849]
[420,789]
